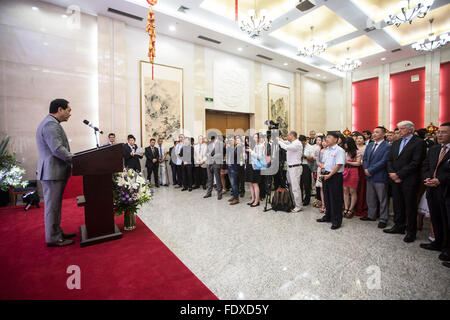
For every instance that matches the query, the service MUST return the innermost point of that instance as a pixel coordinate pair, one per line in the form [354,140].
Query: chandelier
[408,14]
[432,42]
[312,47]
[255,23]
[348,64]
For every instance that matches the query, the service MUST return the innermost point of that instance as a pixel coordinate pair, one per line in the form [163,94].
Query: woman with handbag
[255,158]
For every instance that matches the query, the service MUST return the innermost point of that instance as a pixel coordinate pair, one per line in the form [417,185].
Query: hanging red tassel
[236,10]
[150,29]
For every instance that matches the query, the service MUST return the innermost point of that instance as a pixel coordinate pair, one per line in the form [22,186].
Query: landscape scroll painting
[278,100]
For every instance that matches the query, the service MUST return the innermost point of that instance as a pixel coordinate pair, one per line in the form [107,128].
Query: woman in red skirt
[351,177]
[361,204]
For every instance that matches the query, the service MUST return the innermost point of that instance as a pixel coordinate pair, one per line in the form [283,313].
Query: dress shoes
[430,246]
[382,225]
[235,201]
[60,243]
[409,238]
[444,256]
[219,197]
[367,219]
[184,189]
[323,219]
[207,196]
[190,189]
[446,264]
[177,186]
[68,235]
[395,230]
[204,187]
[231,199]
[333,227]
[254,205]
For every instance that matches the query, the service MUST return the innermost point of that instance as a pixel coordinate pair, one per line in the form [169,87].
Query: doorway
[223,120]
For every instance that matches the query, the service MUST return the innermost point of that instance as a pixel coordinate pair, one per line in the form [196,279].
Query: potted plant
[130,191]
[11,174]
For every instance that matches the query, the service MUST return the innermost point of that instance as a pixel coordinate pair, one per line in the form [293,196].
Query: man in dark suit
[436,174]
[404,167]
[130,155]
[187,156]
[172,163]
[152,163]
[374,164]
[446,191]
[54,169]
[214,161]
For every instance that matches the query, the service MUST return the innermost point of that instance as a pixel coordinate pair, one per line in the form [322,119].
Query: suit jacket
[189,158]
[172,163]
[215,155]
[408,163]
[131,162]
[430,163]
[375,163]
[150,156]
[200,157]
[54,151]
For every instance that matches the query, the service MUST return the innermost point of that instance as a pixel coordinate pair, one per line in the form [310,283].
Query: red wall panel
[365,105]
[444,103]
[407,98]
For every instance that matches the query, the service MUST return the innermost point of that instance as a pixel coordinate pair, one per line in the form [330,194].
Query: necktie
[402,145]
[160,152]
[443,152]
[375,146]
[200,148]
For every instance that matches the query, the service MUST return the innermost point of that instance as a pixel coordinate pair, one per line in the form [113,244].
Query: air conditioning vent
[368,29]
[125,14]
[305,5]
[264,57]
[209,39]
[396,50]
[183,9]
[302,70]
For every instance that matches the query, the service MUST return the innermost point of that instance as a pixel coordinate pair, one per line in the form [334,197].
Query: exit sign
[209,99]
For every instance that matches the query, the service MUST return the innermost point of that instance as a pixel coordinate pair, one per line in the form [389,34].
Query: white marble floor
[244,253]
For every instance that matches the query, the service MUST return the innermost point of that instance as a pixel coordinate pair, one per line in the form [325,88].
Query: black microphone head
[85,122]
[101,132]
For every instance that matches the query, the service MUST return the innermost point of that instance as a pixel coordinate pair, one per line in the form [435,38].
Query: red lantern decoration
[346,132]
[236,10]
[432,128]
[150,29]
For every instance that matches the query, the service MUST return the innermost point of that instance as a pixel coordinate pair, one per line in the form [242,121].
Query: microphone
[92,126]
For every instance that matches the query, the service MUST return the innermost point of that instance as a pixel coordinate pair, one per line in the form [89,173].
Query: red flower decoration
[152,2]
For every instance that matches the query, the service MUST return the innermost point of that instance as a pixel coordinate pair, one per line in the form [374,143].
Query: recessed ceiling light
[64,16]
[239,49]
[172,28]
[35,8]
[318,75]
[382,59]
[285,64]
[45,43]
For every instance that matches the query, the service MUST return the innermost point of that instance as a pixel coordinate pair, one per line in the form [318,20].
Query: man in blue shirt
[374,164]
[332,167]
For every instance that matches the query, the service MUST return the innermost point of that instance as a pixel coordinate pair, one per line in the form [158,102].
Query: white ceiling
[198,21]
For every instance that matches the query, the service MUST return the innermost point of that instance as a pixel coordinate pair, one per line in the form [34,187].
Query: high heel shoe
[250,203]
[254,205]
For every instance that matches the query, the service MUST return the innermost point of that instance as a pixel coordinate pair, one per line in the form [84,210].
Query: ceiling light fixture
[256,22]
[348,64]
[285,64]
[312,47]
[408,14]
[239,49]
[35,8]
[172,28]
[431,43]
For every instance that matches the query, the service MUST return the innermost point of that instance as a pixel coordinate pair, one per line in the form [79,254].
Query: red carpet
[138,266]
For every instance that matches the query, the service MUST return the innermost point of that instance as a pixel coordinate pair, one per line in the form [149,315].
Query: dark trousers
[187,176]
[333,192]
[199,176]
[241,179]
[154,170]
[305,184]
[438,215]
[179,169]
[233,173]
[174,174]
[404,196]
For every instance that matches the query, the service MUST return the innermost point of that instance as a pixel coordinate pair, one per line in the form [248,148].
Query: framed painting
[278,98]
[162,105]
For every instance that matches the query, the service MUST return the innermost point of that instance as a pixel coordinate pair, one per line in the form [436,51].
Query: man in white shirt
[307,162]
[200,164]
[162,163]
[179,161]
[293,158]
[332,167]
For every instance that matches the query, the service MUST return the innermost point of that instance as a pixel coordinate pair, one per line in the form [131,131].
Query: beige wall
[96,68]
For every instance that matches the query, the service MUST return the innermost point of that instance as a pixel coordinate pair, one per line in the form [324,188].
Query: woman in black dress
[252,151]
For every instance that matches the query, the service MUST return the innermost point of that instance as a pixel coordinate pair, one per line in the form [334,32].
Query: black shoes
[323,219]
[68,235]
[409,238]
[207,196]
[367,219]
[190,189]
[446,264]
[60,243]
[430,246]
[184,189]
[395,230]
[382,225]
[333,227]
[444,256]
[219,197]
[254,205]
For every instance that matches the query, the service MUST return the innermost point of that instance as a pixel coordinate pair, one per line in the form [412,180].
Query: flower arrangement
[11,174]
[130,191]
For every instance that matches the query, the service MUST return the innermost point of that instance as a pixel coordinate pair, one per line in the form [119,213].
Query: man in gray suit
[214,161]
[54,169]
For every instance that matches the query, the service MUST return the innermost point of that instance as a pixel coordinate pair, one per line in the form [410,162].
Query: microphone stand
[96,139]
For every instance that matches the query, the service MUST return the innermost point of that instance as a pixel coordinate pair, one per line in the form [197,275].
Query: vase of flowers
[130,191]
[11,174]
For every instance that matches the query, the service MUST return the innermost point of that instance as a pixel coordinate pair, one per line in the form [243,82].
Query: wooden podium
[97,167]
